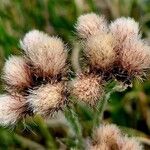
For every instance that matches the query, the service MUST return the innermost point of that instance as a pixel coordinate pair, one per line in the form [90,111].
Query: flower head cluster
[110,137]
[114,50]
[34,82]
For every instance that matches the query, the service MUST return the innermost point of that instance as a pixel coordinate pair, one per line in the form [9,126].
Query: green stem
[50,142]
[102,106]
[72,118]
[100,112]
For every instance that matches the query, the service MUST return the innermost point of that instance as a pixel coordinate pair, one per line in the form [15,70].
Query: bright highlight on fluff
[131,144]
[90,24]
[17,73]
[100,51]
[123,28]
[87,88]
[12,108]
[47,99]
[47,54]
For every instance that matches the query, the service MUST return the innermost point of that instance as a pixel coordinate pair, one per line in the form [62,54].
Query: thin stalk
[100,112]
[102,106]
[26,143]
[50,142]
[72,118]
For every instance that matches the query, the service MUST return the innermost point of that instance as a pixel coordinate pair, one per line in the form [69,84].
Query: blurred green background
[129,109]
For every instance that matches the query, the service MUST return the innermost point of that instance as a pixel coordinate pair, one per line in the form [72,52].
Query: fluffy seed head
[135,56]
[17,73]
[87,88]
[100,51]
[109,137]
[12,108]
[47,99]
[107,134]
[90,24]
[131,144]
[124,27]
[47,54]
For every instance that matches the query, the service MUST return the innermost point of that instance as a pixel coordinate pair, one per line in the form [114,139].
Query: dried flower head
[100,51]
[12,108]
[109,137]
[90,24]
[123,27]
[135,56]
[87,88]
[47,54]
[17,73]
[107,134]
[131,144]
[47,98]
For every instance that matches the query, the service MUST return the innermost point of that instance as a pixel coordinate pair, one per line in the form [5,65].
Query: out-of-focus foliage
[129,109]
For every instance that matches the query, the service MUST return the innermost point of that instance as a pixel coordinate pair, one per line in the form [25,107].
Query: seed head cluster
[114,50]
[109,137]
[34,81]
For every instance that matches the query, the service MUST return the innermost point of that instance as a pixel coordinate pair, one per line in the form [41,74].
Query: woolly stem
[102,105]
[102,109]
[72,118]
[50,142]
[100,112]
